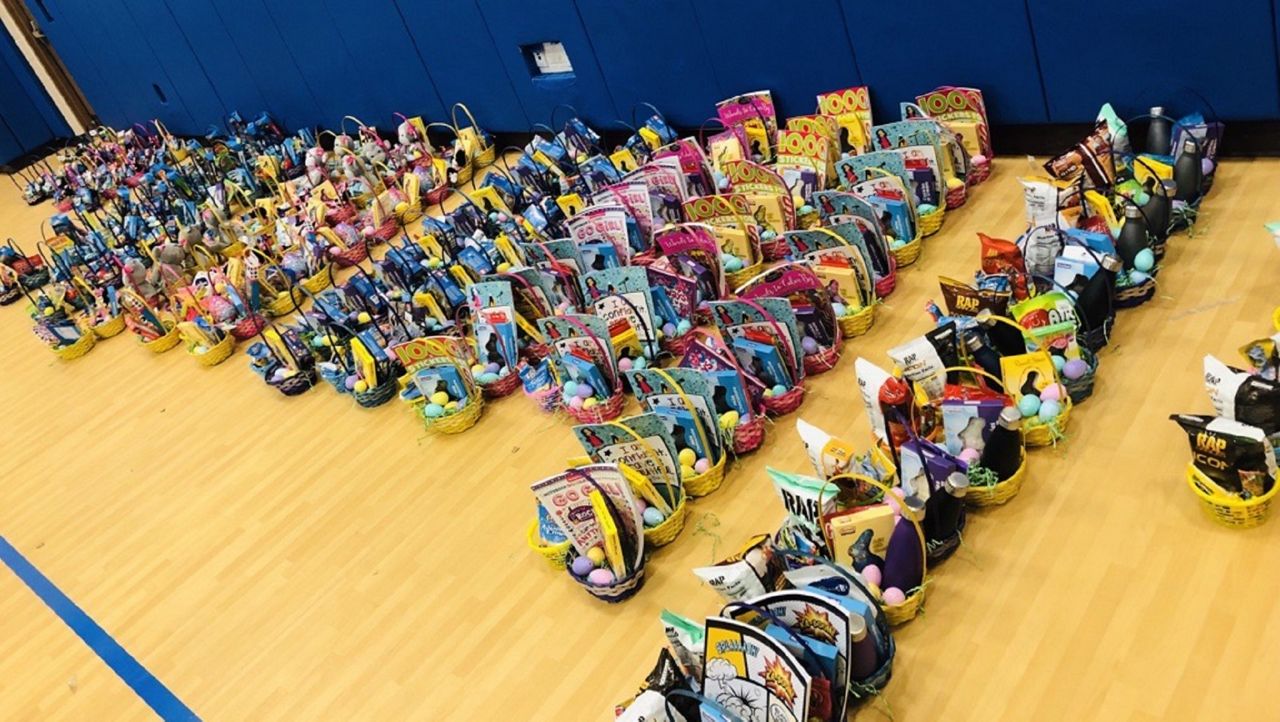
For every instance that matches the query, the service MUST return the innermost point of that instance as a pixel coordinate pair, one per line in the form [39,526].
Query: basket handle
[797,371]
[453,115]
[605,348]
[688,405]
[670,483]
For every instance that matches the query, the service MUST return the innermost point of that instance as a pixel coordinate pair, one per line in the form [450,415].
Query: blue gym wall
[28,117]
[189,62]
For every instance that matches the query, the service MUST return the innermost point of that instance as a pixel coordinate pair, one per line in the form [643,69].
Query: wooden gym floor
[304,559]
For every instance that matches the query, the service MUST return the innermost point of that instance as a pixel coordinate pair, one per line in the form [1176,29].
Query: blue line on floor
[155,694]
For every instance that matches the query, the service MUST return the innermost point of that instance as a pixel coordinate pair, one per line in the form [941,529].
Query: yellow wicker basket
[165,342]
[1000,492]
[1036,433]
[318,281]
[737,278]
[1228,510]
[931,222]
[670,528]
[858,322]
[111,327]
[909,253]
[555,555]
[216,354]
[75,350]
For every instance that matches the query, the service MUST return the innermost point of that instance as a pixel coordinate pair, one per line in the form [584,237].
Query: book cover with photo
[566,498]
[737,318]
[605,223]
[654,391]
[850,172]
[766,191]
[634,196]
[494,326]
[692,251]
[693,164]
[730,215]
[964,111]
[622,298]
[579,335]
[653,454]
[851,108]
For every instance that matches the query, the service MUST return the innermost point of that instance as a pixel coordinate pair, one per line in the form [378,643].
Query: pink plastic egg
[1052,392]
[603,577]
[871,573]
[970,455]
[624,364]
[576,402]
[893,596]
[702,466]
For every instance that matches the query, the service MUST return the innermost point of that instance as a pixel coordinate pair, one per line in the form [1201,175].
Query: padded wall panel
[37,98]
[1224,51]
[796,50]
[63,27]
[201,29]
[513,25]
[460,56]
[986,44]
[644,60]
[158,29]
[23,109]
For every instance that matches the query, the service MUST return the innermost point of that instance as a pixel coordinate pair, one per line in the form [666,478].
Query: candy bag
[1003,257]
[1235,458]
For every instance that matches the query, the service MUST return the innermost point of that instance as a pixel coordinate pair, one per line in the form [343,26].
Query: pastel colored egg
[1049,411]
[1145,260]
[487,378]
[1074,369]
[687,457]
[451,407]
[669,329]
[350,383]
[477,369]
[504,372]
[1029,405]
[596,555]
[1059,362]
[895,244]
[702,466]
[440,397]
[779,390]
[582,566]
[584,391]
[590,402]
[364,317]
[970,455]
[768,393]
[600,577]
[641,362]
[433,411]
[570,388]
[1206,166]
[653,516]
[894,596]
[361,386]
[684,327]
[1052,392]
[624,364]
[768,235]
[491,367]
[810,345]
[687,471]
[840,309]
[954,183]
[729,419]
[504,267]
[1141,197]
[978,159]
[871,573]
[926,208]
[575,402]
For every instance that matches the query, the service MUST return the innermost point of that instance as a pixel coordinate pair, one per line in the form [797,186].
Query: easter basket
[926,224]
[856,323]
[1081,388]
[773,249]
[886,283]
[931,222]
[747,435]
[276,301]
[463,419]
[897,614]
[547,399]
[169,340]
[485,153]
[10,294]
[555,555]
[677,345]
[79,348]
[1229,511]
[112,326]
[957,196]
[385,390]
[877,680]
[1132,295]
[1037,433]
[504,386]
[217,353]
[610,408]
[340,253]
[668,529]
[710,480]
[986,490]
[621,589]
[303,376]
[789,400]
[979,170]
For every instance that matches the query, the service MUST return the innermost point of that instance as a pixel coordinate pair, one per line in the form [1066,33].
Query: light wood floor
[304,559]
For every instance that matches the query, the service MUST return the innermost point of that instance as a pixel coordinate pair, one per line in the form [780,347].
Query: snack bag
[965,300]
[1058,339]
[1235,458]
[1003,257]
[750,572]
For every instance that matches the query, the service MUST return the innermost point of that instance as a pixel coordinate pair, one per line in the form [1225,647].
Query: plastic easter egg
[687,457]
[768,393]
[504,372]
[1141,197]
[1052,392]
[732,263]
[402,208]
[840,309]
[491,368]
[361,386]
[779,390]
[590,402]
[810,345]
[451,407]
[641,362]
[702,466]
[1049,411]
[477,369]
[871,573]
[954,183]
[364,317]
[350,382]
[659,335]
[317,342]
[624,364]
[653,516]
[440,397]
[600,577]
[582,566]
[1074,369]
[1145,260]
[729,419]
[684,327]
[433,411]
[504,267]
[669,329]
[1059,362]
[687,471]
[894,596]
[596,555]
[1206,166]
[1136,277]
[768,234]
[584,391]
[575,402]
[926,208]
[895,244]
[571,388]
[487,378]
[805,209]
[1029,405]
[970,455]
[978,159]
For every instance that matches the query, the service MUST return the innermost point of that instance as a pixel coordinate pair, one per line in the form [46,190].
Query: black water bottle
[1003,452]
[1133,235]
[1094,298]
[1159,133]
[1159,204]
[983,355]
[1187,172]
[1006,339]
[946,508]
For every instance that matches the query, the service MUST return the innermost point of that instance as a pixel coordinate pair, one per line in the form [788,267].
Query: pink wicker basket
[784,403]
[749,435]
[608,410]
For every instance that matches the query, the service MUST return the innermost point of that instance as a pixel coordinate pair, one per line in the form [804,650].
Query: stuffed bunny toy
[136,277]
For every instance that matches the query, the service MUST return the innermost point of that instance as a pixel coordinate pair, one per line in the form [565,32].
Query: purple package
[915,454]
[968,423]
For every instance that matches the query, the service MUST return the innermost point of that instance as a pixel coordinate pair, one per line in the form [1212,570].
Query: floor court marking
[150,689]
